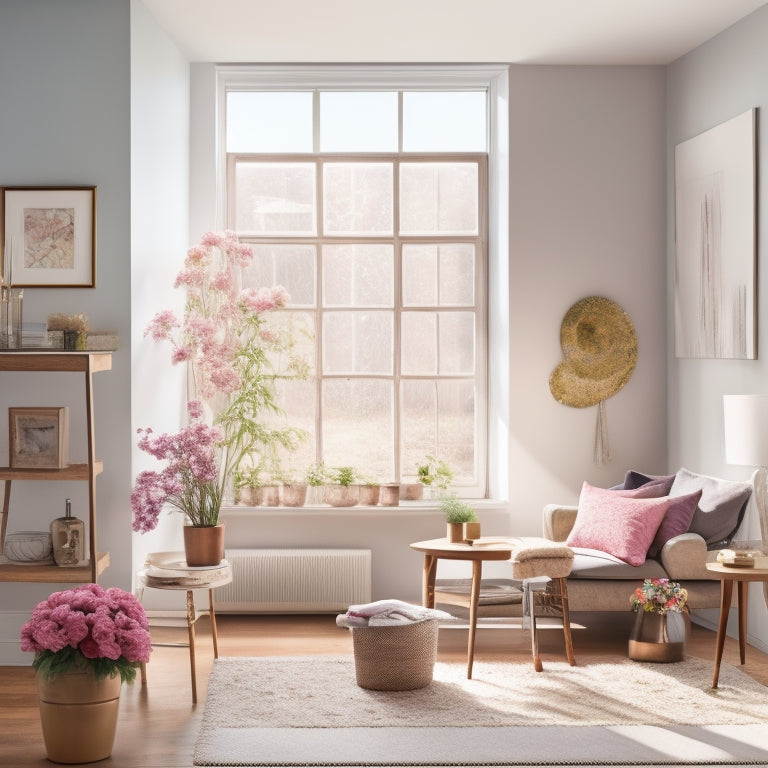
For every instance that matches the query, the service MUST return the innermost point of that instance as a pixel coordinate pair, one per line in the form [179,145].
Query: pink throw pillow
[613,522]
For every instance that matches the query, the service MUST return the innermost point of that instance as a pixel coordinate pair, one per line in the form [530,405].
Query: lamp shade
[746,429]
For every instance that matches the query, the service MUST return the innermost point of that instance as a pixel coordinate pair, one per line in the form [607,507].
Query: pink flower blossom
[96,623]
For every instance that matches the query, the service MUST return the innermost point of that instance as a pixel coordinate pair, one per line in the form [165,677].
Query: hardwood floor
[158,723]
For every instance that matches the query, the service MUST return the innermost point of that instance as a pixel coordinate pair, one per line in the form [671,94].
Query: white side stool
[169,570]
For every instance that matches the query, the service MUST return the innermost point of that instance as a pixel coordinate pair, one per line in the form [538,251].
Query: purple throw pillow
[677,520]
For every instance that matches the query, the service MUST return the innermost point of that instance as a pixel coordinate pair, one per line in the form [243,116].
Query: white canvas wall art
[715,314]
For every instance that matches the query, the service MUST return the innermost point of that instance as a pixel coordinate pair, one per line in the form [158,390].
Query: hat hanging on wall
[599,346]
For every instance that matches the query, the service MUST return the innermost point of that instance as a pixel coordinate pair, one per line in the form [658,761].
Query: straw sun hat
[599,353]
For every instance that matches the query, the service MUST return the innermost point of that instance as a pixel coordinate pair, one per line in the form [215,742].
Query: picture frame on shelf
[38,437]
[49,237]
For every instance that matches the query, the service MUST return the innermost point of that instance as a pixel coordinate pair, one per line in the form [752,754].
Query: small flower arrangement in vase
[659,596]
[660,628]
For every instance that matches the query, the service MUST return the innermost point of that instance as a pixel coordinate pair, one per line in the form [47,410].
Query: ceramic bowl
[28,546]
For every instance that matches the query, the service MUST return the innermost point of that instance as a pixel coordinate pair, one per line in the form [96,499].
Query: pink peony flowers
[106,630]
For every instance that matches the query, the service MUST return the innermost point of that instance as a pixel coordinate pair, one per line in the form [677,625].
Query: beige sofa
[601,582]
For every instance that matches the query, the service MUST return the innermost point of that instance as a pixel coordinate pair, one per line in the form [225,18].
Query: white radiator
[295,580]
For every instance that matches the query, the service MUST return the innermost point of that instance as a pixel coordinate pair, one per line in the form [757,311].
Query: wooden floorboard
[158,724]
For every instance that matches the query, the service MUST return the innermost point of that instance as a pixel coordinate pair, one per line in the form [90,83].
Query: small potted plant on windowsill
[434,475]
[341,492]
[459,516]
[293,492]
[369,490]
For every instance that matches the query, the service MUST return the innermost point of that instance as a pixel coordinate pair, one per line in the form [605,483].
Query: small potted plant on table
[459,516]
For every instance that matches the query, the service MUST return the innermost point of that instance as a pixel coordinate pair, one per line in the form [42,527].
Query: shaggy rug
[303,711]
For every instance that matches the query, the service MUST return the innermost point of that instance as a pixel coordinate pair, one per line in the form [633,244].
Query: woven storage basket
[395,658]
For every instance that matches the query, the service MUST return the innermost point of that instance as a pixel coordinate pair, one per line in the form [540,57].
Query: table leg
[477,577]
[191,632]
[428,581]
[568,639]
[214,633]
[726,592]
[741,589]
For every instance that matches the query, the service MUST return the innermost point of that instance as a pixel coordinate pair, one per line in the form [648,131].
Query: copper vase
[78,714]
[204,546]
[658,637]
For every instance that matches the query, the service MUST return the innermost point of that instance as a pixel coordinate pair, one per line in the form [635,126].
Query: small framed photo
[38,437]
[49,237]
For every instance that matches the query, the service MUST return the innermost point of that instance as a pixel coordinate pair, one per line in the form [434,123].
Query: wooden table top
[758,572]
[481,549]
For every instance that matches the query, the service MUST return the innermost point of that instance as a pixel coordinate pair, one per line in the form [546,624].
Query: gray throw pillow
[720,509]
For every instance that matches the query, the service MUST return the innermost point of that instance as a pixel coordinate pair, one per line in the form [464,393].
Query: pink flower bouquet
[106,630]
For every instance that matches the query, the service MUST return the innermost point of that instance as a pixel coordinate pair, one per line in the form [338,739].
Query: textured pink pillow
[620,525]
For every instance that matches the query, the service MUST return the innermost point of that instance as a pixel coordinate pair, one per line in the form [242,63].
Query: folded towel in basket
[387,613]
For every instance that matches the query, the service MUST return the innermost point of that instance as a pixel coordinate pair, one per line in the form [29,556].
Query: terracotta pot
[293,494]
[411,491]
[270,496]
[471,531]
[369,495]
[204,546]
[389,495]
[78,714]
[341,495]
[658,637]
[455,532]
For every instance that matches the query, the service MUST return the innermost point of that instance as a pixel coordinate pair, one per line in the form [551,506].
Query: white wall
[65,120]
[710,85]
[587,218]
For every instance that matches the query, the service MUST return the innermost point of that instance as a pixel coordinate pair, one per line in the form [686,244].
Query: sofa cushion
[720,509]
[594,564]
[634,479]
[616,523]
[676,521]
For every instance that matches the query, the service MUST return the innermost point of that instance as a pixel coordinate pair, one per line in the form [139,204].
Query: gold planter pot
[658,637]
[78,714]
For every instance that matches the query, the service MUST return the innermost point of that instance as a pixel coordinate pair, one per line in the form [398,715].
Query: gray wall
[65,120]
[717,81]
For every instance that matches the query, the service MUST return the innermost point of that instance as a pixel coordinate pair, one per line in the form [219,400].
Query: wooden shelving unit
[57,361]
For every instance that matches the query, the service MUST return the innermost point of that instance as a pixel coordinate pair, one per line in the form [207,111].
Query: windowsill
[406,508]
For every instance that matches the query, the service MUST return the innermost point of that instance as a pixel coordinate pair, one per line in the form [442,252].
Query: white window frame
[208,182]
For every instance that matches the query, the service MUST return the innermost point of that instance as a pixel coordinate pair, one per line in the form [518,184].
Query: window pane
[419,343]
[441,275]
[358,275]
[269,122]
[297,399]
[357,342]
[438,418]
[275,198]
[444,122]
[292,266]
[358,198]
[457,342]
[358,121]
[438,198]
[357,425]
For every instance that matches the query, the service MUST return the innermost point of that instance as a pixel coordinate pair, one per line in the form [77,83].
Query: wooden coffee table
[742,576]
[483,550]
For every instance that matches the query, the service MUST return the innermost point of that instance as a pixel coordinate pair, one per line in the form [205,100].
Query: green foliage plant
[457,511]
[434,471]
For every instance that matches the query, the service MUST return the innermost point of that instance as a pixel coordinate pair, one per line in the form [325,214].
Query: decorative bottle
[68,538]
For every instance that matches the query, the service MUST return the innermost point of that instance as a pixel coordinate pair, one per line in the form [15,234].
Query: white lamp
[746,443]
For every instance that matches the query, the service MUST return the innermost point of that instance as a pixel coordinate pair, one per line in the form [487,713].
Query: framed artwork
[38,437]
[49,237]
[715,243]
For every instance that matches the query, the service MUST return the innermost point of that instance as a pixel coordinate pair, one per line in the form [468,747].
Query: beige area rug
[310,711]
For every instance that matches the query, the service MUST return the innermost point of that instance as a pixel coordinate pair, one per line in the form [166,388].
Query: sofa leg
[563,583]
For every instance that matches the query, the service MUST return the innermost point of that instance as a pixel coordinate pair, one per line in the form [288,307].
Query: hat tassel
[602,451]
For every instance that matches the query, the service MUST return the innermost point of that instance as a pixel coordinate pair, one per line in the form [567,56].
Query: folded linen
[387,613]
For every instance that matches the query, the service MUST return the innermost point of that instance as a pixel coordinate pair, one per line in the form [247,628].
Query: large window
[370,206]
